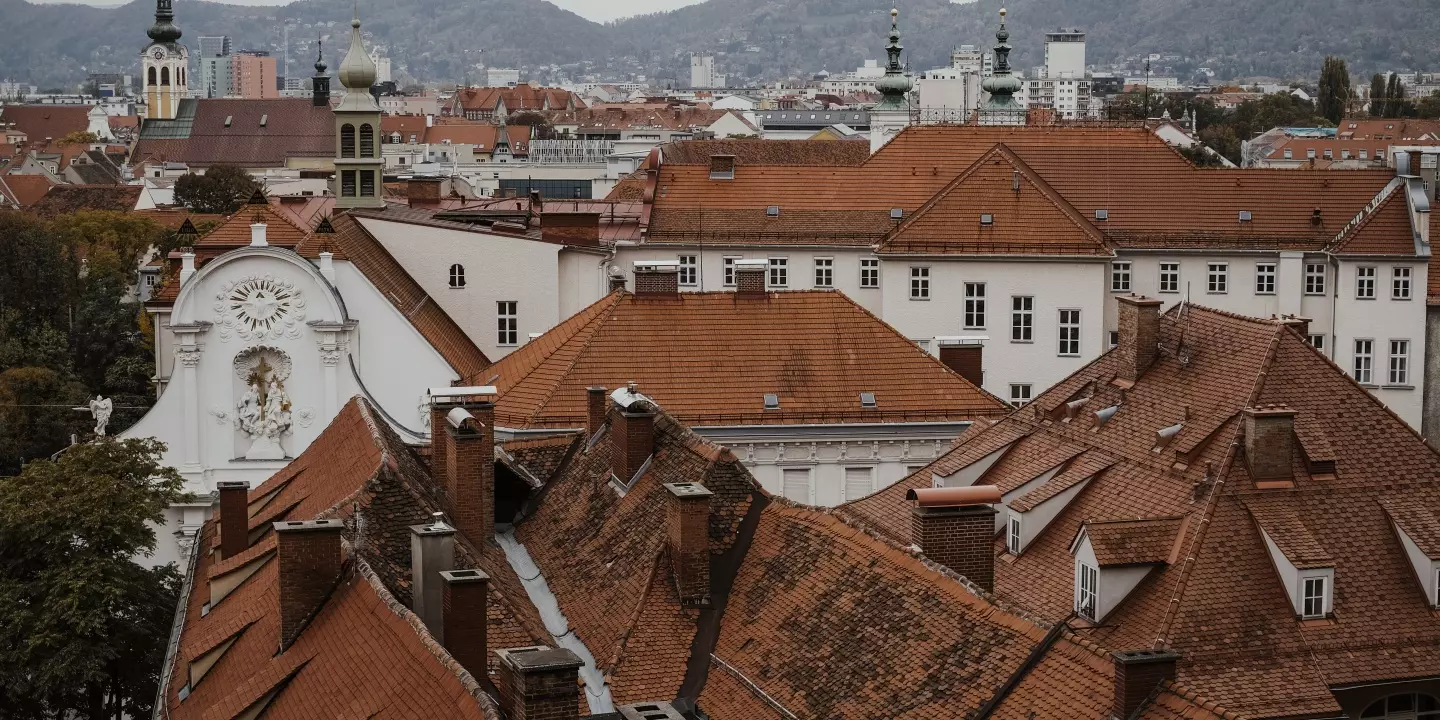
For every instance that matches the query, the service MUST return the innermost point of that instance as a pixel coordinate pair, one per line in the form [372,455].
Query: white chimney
[429,121]
[327,266]
[257,235]
[187,267]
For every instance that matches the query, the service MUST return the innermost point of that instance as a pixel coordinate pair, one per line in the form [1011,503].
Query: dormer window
[1418,528]
[1315,599]
[1112,557]
[1012,534]
[1087,591]
[1306,570]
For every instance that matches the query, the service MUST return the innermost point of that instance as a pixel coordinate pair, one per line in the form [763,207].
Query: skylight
[987,219]
[896,213]
[1102,214]
[1246,216]
[772,211]
[867,399]
[772,401]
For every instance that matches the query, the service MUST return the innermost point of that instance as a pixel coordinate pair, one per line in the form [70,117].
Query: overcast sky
[597,10]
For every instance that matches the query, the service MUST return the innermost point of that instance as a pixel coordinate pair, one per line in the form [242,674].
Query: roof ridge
[604,312]
[940,194]
[1366,214]
[1056,199]
[1194,696]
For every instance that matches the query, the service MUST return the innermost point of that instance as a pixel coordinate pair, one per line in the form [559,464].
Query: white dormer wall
[966,476]
[1002,518]
[1294,578]
[1116,582]
[1034,521]
[1427,569]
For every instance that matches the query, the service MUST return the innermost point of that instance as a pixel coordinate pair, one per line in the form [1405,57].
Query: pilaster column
[187,362]
[334,342]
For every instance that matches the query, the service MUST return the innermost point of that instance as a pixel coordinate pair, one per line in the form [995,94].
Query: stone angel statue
[100,409]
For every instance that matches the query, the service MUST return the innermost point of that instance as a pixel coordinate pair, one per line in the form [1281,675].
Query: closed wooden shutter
[796,485]
[859,482]
[966,361]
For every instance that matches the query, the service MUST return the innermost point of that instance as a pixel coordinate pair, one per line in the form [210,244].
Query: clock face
[158,53]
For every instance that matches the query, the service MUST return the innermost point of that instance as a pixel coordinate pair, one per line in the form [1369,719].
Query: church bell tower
[164,65]
[358,167]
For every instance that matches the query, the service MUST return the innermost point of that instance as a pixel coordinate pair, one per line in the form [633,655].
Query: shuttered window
[859,482]
[795,484]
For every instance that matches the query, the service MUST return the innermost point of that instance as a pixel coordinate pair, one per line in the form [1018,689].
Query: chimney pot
[595,406]
[466,619]
[1139,335]
[432,552]
[470,464]
[327,266]
[1269,442]
[1137,673]
[234,517]
[309,556]
[688,518]
[539,683]
[956,528]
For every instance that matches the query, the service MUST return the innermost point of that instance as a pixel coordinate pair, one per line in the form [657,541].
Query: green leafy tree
[1334,92]
[222,189]
[79,137]
[1377,95]
[83,627]
[1428,107]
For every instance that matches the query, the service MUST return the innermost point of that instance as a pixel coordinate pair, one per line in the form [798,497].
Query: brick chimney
[955,526]
[309,555]
[423,190]
[465,611]
[539,683]
[1137,674]
[470,468]
[442,401]
[571,228]
[632,435]
[750,277]
[966,358]
[1139,335]
[687,516]
[1269,442]
[597,403]
[234,517]
[1300,324]
[659,278]
[432,551]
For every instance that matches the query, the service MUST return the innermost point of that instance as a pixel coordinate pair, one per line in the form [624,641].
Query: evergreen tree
[1377,95]
[1334,95]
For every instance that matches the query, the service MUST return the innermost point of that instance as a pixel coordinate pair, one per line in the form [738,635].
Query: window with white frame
[919,283]
[1405,706]
[1022,318]
[1020,394]
[859,482]
[1217,278]
[824,272]
[1265,278]
[1400,283]
[1087,591]
[1317,341]
[509,322]
[974,306]
[779,272]
[1012,534]
[1114,337]
[1364,361]
[1312,601]
[1365,283]
[1314,278]
[457,276]
[728,262]
[1399,362]
[870,272]
[1069,332]
[795,484]
[1169,277]
[689,270]
[1120,276]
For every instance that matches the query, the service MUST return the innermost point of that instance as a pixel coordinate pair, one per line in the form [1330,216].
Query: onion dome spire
[1002,85]
[895,85]
[164,29]
[320,65]
[357,70]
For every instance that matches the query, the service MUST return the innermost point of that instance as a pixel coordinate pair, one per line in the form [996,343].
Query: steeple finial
[320,65]
[894,86]
[357,70]
[164,29]
[1002,85]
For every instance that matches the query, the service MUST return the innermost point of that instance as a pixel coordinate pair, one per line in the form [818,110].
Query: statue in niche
[263,412]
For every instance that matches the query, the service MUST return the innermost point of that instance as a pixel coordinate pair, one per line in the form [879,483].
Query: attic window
[897,213]
[228,118]
[772,211]
[987,219]
[1246,216]
[867,399]
[264,119]
[772,401]
[1102,214]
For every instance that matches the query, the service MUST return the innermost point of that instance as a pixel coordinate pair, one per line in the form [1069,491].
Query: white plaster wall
[711,272]
[582,281]
[1038,518]
[966,476]
[496,268]
[1384,319]
[1424,567]
[891,460]
[1054,285]
[1115,582]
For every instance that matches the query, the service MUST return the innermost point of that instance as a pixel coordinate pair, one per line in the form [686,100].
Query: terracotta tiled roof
[767,152]
[1241,643]
[1025,215]
[25,190]
[516,99]
[1136,542]
[638,117]
[66,199]
[212,131]
[1420,523]
[281,230]
[39,122]
[817,350]
[1385,230]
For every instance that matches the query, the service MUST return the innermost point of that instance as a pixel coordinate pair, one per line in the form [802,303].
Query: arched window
[347,141]
[182,76]
[152,82]
[165,76]
[367,141]
[457,276]
[1406,706]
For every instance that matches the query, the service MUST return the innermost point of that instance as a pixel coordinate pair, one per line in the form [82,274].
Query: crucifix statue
[263,413]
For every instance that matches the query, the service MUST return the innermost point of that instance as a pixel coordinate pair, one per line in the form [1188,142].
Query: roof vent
[897,213]
[1102,214]
[772,211]
[867,399]
[772,401]
[264,119]
[1246,216]
[228,118]
[987,219]
[1103,415]
[1163,436]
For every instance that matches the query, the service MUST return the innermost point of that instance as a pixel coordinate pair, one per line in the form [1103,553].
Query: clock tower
[359,169]
[164,65]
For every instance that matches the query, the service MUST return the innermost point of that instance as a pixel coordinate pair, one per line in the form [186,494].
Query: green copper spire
[164,29]
[1001,85]
[895,85]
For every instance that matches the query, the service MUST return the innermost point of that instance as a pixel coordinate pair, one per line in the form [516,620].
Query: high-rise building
[164,65]
[215,46]
[1061,85]
[252,75]
[702,72]
[1065,54]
